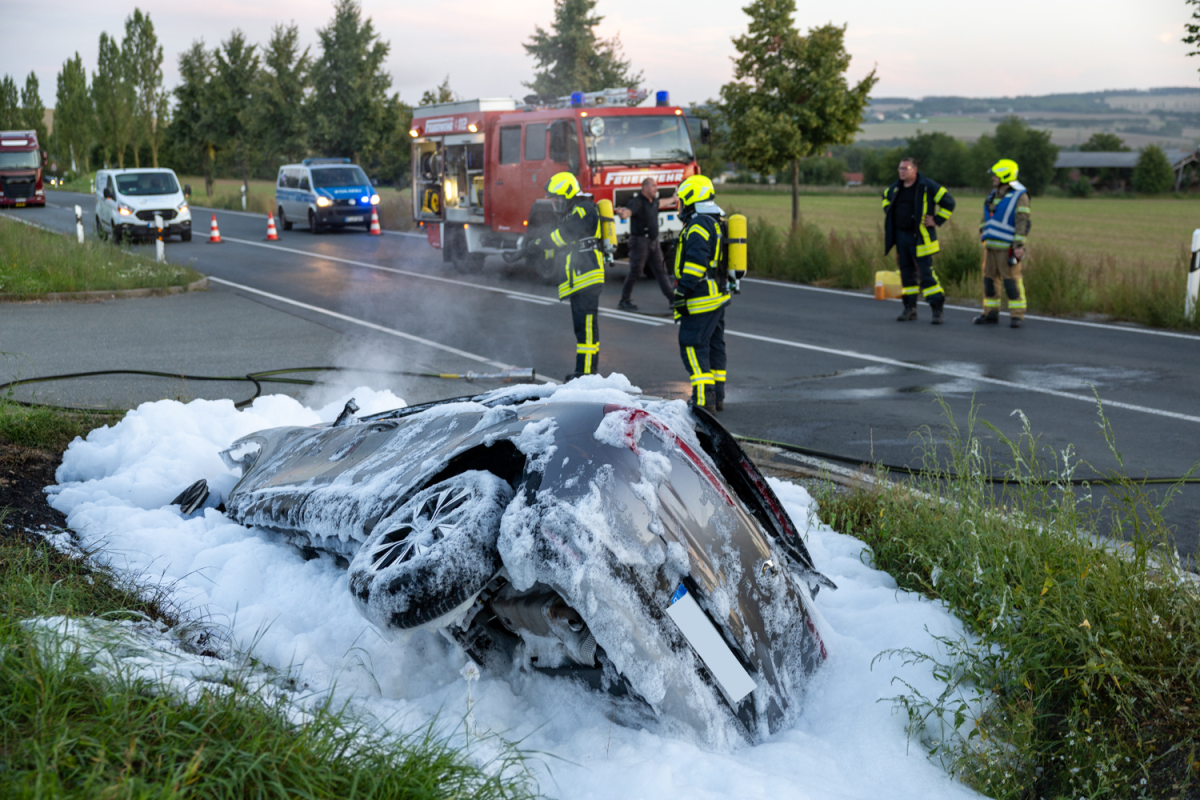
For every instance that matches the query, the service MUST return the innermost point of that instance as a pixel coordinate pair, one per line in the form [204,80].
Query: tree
[570,58]
[939,156]
[1153,173]
[442,94]
[74,114]
[1031,149]
[234,77]
[143,57]
[194,125]
[1193,28]
[350,104]
[10,104]
[33,113]
[1104,142]
[279,120]
[114,101]
[789,98]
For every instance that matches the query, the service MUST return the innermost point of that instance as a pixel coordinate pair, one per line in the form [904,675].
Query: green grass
[1090,654]
[34,262]
[46,428]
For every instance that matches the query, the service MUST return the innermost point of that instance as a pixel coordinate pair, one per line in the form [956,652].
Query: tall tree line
[22,109]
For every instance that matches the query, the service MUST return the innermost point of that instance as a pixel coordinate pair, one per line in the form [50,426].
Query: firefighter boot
[909,314]
[1015,322]
[937,313]
[990,317]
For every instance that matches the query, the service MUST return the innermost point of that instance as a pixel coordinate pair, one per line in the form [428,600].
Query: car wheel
[186,236]
[118,234]
[434,553]
[283,220]
[312,222]
[100,232]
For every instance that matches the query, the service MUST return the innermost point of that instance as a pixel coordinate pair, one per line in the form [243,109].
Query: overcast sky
[920,48]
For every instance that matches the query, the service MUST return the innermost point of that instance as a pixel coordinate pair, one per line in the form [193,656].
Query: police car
[324,193]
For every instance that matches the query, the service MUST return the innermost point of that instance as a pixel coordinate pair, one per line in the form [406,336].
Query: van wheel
[100,232]
[312,222]
[284,222]
[186,236]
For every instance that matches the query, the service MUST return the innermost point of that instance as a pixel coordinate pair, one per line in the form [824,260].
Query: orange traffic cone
[375,229]
[214,235]
[272,236]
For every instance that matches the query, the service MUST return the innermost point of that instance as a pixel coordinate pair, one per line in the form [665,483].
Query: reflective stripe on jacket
[930,196]
[697,257]
[999,223]
[580,226]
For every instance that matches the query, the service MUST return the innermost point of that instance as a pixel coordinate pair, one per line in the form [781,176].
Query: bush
[1153,173]
[810,255]
[1080,188]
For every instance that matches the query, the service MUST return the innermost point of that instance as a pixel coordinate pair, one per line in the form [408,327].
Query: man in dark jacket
[913,208]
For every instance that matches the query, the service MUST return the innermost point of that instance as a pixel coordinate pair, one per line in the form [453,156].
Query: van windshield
[28,159]
[329,177]
[141,184]
[635,139]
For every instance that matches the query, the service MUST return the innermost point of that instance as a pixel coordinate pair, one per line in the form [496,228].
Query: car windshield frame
[639,139]
[140,184]
[31,159]
[343,181]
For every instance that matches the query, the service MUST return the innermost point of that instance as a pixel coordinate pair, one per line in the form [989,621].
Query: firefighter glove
[679,303]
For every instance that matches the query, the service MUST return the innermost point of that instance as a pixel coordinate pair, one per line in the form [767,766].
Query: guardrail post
[79,224]
[243,197]
[160,253]
[1193,282]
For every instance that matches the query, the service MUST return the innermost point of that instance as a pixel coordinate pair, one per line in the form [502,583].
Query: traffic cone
[214,235]
[375,229]
[272,236]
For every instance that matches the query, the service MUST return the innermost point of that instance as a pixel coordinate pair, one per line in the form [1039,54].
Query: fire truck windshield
[27,159]
[638,139]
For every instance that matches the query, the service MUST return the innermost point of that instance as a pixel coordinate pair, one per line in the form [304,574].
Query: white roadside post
[79,224]
[160,253]
[1193,282]
[243,197]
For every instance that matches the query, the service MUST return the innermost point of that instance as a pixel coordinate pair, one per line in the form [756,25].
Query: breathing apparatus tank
[608,228]
[736,247]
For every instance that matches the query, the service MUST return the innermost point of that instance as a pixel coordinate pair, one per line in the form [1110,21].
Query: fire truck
[21,170]
[480,167]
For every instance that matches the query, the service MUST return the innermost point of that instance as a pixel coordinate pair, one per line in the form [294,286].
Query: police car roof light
[308,162]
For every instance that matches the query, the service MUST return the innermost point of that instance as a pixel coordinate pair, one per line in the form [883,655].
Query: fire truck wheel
[464,260]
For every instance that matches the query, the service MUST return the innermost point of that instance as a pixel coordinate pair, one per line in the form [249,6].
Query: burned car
[624,542]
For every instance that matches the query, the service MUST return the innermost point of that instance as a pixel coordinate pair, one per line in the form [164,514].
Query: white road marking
[371,325]
[1038,317]
[528,299]
[964,375]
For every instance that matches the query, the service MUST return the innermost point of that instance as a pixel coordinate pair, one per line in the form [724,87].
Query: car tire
[431,555]
[313,227]
[185,236]
[284,222]
[101,234]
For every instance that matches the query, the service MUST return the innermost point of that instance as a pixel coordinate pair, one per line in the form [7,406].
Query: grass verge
[34,262]
[1086,654]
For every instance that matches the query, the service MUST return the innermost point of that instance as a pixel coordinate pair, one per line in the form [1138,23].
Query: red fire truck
[21,170]
[480,167]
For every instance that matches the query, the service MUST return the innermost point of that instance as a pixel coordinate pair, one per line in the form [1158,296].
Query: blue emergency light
[662,98]
[576,99]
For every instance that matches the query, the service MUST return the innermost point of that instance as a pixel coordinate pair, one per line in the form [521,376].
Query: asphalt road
[825,369]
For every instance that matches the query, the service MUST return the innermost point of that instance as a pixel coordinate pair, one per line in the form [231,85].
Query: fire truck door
[428,200]
[507,180]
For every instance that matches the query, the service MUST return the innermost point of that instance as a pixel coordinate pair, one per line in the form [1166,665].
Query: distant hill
[1178,99]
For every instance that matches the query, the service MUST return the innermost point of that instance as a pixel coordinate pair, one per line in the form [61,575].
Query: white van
[128,199]
[324,192]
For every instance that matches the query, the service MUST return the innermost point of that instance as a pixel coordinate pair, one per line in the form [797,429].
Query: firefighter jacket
[578,233]
[697,266]
[1006,213]
[930,196]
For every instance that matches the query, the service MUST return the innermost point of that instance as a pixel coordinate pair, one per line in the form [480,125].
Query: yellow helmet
[695,189]
[564,185]
[1005,169]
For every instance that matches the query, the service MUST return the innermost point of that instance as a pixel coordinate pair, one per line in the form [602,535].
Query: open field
[1154,232]
[1075,131]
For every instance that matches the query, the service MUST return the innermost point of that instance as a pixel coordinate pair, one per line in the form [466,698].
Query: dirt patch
[23,473]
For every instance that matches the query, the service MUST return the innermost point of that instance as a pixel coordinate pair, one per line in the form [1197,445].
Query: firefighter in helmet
[1006,223]
[701,292]
[578,233]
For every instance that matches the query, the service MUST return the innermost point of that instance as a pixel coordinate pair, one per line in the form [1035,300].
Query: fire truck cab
[480,167]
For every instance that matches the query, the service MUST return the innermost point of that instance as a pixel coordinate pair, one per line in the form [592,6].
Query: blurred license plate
[354,219]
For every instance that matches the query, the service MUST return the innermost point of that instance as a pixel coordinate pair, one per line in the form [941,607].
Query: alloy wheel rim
[416,533]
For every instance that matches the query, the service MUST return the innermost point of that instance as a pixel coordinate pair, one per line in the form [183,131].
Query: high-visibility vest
[998,225]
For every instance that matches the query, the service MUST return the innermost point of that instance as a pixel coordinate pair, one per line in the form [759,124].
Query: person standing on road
[642,211]
[578,233]
[913,208]
[1006,223]
[700,295]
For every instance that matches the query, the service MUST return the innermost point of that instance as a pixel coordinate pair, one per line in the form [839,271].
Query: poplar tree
[235,76]
[113,98]
[74,114]
[143,57]
[194,125]
[352,112]
[571,58]
[33,113]
[789,98]
[10,104]
[279,121]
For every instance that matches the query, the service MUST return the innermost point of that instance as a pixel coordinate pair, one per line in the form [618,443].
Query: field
[1066,130]
[1136,232]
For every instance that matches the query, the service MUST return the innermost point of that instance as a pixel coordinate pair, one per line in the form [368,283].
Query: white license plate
[354,219]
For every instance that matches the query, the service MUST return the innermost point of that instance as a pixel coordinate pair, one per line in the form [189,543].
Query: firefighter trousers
[998,276]
[585,307]
[702,347]
[917,277]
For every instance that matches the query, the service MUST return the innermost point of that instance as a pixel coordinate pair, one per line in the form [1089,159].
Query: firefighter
[578,233]
[914,207]
[701,292]
[1005,226]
